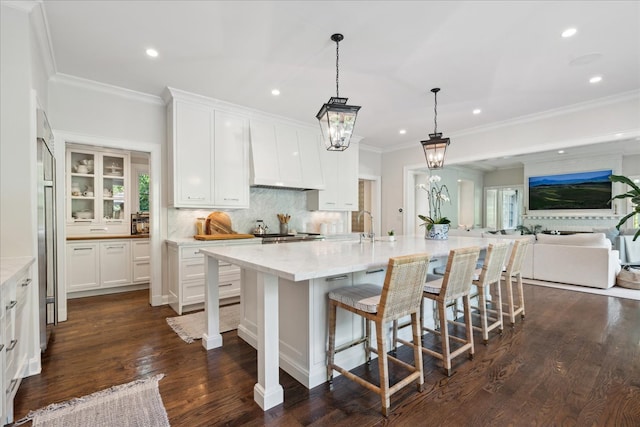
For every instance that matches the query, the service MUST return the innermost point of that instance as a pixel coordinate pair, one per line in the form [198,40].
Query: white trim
[156,238]
[371,149]
[40,27]
[106,88]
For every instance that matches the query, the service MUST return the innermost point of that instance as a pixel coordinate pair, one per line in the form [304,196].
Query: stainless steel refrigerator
[47,260]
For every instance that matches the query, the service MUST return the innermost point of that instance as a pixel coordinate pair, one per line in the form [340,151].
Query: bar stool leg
[332,341]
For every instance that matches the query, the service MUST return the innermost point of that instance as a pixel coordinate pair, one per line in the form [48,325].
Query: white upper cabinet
[340,170]
[285,155]
[193,151]
[208,154]
[231,161]
[97,192]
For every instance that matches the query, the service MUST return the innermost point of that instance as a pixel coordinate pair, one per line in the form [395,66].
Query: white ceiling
[506,58]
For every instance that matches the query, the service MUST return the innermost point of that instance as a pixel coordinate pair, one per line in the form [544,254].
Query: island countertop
[312,260]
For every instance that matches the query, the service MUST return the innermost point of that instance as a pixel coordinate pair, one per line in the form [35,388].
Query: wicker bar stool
[513,278]
[490,274]
[455,284]
[400,296]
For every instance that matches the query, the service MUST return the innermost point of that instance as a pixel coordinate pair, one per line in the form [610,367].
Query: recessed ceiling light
[560,151]
[569,32]
[275,92]
[595,79]
[402,131]
[152,53]
[477,111]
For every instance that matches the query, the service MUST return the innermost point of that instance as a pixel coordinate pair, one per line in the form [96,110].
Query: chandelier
[336,118]
[436,146]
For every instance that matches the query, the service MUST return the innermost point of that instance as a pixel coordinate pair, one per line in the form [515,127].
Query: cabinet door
[340,172]
[115,263]
[348,177]
[192,151]
[82,266]
[231,160]
[81,187]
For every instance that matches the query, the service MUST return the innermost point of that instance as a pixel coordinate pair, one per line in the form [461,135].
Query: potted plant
[633,194]
[392,235]
[437,226]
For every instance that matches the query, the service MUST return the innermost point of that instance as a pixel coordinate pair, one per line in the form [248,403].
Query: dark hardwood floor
[574,361]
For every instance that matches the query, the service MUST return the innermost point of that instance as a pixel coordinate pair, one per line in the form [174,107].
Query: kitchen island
[284,290]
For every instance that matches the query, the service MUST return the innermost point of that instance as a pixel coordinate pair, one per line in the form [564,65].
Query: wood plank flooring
[574,361]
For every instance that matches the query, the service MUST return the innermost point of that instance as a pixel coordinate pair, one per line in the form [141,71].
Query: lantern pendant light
[336,118]
[436,146]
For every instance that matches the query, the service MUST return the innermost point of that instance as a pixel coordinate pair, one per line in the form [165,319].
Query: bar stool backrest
[403,285]
[520,247]
[458,275]
[494,263]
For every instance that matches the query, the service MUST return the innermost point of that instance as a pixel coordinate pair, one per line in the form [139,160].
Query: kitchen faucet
[371,234]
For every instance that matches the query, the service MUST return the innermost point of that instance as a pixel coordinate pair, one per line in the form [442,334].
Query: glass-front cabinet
[97,192]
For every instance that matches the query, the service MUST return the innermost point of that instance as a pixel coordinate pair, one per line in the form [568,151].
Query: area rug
[616,291]
[137,403]
[190,327]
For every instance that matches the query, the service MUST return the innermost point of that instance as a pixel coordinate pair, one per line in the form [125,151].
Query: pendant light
[436,146]
[336,118]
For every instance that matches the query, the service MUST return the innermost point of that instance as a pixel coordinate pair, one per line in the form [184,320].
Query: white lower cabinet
[140,256]
[17,328]
[186,279]
[100,265]
[83,266]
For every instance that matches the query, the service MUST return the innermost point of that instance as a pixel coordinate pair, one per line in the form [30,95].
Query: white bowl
[84,214]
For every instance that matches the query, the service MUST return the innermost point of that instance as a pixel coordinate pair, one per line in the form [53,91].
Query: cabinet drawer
[193,292]
[140,250]
[141,272]
[193,269]
[191,253]
[229,285]
[225,267]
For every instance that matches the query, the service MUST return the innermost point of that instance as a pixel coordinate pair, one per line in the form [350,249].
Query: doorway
[368,200]
[152,152]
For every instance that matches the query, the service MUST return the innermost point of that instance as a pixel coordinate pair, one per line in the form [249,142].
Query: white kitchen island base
[286,320]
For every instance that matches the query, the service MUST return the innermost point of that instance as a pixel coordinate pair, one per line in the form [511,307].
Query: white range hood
[285,156]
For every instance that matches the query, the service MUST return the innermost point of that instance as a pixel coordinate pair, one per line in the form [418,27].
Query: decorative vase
[438,232]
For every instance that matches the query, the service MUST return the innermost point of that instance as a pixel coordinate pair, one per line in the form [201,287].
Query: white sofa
[579,259]
[584,259]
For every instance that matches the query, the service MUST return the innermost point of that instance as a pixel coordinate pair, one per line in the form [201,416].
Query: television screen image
[581,190]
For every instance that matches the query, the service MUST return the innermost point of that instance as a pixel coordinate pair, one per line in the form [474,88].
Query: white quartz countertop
[315,259]
[11,266]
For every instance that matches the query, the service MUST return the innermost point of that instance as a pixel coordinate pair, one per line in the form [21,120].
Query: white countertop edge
[190,241]
[11,266]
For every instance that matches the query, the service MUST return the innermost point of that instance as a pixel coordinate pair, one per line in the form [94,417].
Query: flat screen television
[581,190]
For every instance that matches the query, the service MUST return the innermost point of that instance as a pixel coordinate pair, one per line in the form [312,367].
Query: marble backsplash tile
[265,204]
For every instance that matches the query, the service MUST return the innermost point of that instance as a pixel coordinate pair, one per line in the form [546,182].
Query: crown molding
[372,149]
[40,27]
[23,5]
[542,115]
[107,88]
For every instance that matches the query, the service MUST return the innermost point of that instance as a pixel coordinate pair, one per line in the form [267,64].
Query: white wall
[576,126]
[21,71]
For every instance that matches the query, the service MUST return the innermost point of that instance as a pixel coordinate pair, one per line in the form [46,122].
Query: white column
[211,338]
[268,392]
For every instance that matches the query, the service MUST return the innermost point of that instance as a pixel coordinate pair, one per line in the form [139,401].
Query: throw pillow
[609,233]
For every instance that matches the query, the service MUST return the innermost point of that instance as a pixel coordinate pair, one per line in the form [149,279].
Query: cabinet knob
[27,282]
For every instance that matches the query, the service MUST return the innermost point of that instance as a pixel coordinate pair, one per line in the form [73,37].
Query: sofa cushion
[581,239]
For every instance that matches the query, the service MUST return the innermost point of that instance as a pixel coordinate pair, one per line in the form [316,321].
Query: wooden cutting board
[223,236]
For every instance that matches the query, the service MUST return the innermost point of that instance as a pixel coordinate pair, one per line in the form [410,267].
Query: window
[141,183]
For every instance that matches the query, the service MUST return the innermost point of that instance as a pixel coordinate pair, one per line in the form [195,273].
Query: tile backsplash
[265,204]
